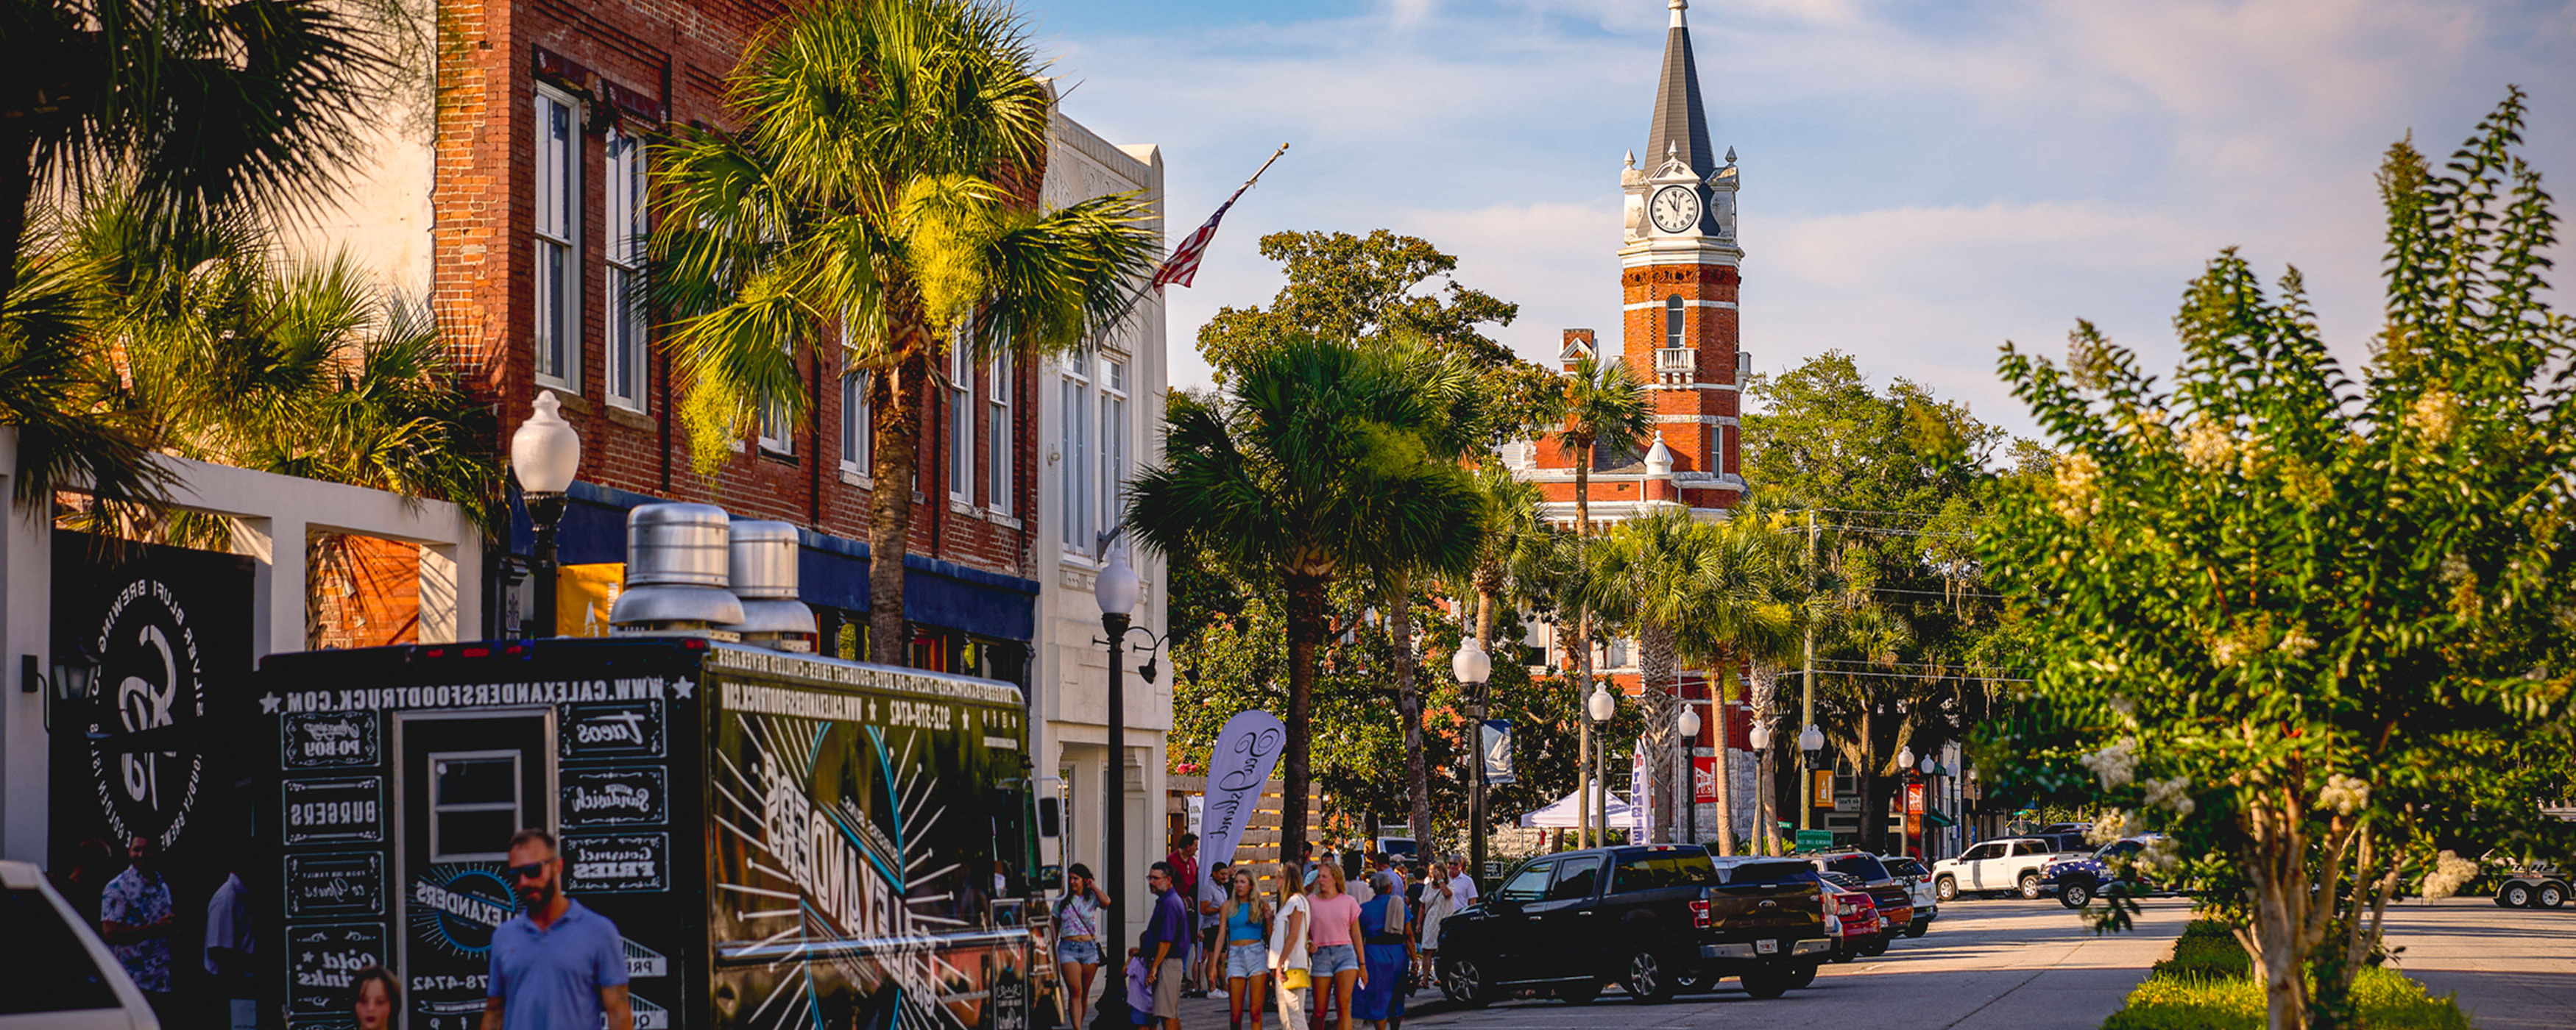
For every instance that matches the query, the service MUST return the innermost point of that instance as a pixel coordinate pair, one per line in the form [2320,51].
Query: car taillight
[1699,914]
[1833,905]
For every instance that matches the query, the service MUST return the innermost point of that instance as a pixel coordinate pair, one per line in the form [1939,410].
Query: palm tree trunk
[1655,663]
[1408,702]
[898,399]
[1306,601]
[1725,762]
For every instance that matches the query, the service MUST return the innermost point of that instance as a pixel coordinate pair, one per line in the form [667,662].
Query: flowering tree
[2302,616]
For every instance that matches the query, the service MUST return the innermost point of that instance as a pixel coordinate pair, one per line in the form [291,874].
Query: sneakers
[1218,995]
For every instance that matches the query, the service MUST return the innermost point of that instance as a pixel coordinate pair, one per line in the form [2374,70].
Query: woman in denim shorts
[1335,936]
[1077,940]
[1244,920]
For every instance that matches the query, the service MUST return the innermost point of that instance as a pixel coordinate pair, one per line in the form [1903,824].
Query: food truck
[783,840]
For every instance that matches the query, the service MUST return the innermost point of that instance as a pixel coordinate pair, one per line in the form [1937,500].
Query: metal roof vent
[676,571]
[764,577]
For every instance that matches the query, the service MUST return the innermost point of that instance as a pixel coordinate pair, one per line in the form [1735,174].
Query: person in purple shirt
[1167,942]
[557,965]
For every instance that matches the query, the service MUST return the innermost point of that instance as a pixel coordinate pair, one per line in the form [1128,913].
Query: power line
[1918,676]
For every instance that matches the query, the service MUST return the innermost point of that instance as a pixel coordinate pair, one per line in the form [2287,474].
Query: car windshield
[1904,867]
[49,970]
[1865,867]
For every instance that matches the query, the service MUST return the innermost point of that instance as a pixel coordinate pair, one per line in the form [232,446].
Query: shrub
[2386,1000]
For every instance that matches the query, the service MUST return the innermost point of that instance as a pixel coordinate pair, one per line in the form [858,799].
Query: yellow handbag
[1296,979]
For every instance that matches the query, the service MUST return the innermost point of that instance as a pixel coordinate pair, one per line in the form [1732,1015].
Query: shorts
[1335,958]
[1246,960]
[1080,952]
[1167,989]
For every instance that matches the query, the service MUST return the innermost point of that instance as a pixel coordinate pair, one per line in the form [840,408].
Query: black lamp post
[1810,741]
[544,453]
[1474,667]
[1117,590]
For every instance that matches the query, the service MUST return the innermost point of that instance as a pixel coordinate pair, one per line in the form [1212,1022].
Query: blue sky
[1922,181]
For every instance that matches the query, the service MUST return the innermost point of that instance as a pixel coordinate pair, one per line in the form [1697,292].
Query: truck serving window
[474,804]
[1655,870]
[1576,879]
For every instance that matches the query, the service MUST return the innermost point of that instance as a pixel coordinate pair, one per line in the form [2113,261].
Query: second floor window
[1074,464]
[1673,321]
[961,421]
[997,442]
[777,432]
[626,207]
[558,246]
[1113,441]
[858,425]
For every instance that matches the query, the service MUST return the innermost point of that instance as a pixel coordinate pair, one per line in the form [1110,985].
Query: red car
[1852,917]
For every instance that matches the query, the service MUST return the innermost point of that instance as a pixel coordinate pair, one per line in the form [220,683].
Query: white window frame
[961,419]
[1074,469]
[555,337]
[776,435]
[858,426]
[1113,438]
[480,850]
[628,345]
[998,442]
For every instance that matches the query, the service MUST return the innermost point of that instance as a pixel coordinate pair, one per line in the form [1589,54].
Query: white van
[61,976]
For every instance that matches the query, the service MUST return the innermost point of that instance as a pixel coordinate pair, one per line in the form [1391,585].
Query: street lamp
[1688,724]
[1601,707]
[544,452]
[1473,667]
[1765,833]
[1117,590]
[1810,741]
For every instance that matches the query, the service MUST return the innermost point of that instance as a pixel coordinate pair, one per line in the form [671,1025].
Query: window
[626,208]
[1074,470]
[858,425]
[474,803]
[558,274]
[1984,851]
[1673,321]
[777,433]
[961,420]
[1113,441]
[1530,884]
[1655,870]
[1576,879]
[2030,847]
[1863,866]
[997,442]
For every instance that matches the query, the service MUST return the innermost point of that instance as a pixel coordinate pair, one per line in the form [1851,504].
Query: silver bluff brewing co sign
[150,677]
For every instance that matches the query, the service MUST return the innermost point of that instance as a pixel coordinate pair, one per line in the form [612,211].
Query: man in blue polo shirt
[557,965]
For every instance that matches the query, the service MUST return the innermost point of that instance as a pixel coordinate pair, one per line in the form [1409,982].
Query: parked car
[1918,884]
[2010,864]
[1860,931]
[1891,897]
[2532,887]
[1649,918]
[60,975]
[2076,878]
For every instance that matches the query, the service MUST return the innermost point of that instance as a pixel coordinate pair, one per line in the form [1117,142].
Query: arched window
[1673,321]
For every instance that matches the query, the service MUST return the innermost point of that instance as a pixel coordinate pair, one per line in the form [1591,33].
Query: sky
[1922,181]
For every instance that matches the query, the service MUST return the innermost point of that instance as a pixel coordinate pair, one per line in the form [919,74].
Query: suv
[59,973]
[2010,864]
[1649,918]
[1918,882]
[2081,876]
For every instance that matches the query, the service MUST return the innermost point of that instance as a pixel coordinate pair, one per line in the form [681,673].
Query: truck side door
[465,782]
[1567,926]
[1973,864]
[1507,935]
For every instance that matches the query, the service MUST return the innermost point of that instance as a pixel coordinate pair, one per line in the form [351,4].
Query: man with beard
[557,964]
[134,918]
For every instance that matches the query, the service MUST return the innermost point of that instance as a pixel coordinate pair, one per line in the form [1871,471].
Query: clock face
[1676,208]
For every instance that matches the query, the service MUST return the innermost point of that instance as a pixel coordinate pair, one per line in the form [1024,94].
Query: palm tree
[879,188]
[1745,610]
[1281,479]
[1604,403]
[1650,576]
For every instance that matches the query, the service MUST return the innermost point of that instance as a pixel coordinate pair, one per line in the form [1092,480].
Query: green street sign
[1815,840]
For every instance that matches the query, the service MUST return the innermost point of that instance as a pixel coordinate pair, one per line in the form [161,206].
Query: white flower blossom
[2450,873]
[2344,794]
[2208,446]
[2116,765]
[2435,414]
[2162,855]
[2110,825]
[2297,643]
[2174,794]
[2078,499]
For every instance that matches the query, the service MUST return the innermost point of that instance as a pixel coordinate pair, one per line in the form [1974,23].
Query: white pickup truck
[2009,864]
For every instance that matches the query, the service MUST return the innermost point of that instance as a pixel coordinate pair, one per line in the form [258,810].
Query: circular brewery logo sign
[149,678]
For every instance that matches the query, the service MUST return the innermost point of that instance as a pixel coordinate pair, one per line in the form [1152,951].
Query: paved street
[2513,968]
[2029,965]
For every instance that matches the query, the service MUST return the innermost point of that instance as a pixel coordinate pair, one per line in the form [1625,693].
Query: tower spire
[1680,125]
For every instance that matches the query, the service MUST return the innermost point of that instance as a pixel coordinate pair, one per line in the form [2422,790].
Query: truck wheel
[1918,928]
[1464,982]
[1647,979]
[1765,981]
[2029,886]
[1579,993]
[1801,976]
[1946,889]
[2076,894]
[2514,895]
[2550,895]
[1877,946]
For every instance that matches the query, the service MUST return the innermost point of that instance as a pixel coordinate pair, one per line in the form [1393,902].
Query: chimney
[763,558]
[677,569]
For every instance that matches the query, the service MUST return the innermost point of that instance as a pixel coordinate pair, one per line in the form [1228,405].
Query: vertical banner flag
[1496,743]
[1641,794]
[1246,750]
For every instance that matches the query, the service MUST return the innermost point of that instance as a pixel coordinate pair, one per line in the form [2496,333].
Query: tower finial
[1632,159]
[1678,6]
[1730,156]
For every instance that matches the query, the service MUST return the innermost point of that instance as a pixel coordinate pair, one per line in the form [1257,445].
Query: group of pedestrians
[1328,950]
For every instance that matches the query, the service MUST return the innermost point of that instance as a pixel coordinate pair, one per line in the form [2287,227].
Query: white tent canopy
[1561,815]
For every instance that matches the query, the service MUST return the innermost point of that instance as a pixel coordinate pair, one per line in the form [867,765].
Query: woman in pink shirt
[1335,935]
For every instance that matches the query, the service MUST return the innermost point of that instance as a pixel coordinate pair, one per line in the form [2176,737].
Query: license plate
[1766,947]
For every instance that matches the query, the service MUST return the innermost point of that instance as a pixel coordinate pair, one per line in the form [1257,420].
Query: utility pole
[1807,691]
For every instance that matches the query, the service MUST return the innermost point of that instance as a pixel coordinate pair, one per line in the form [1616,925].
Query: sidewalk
[1210,1013]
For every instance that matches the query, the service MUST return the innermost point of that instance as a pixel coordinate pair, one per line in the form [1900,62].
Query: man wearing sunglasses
[557,964]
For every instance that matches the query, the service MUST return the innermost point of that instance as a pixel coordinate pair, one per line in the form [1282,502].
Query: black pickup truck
[1654,919]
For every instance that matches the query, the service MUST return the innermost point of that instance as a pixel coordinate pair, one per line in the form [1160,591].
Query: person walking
[1166,941]
[1246,918]
[134,918]
[1077,941]
[1288,963]
[1184,862]
[1207,966]
[1380,998]
[230,946]
[1439,902]
[1335,938]
[374,997]
[556,964]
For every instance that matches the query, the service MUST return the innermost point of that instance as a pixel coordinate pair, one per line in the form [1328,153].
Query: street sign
[1815,840]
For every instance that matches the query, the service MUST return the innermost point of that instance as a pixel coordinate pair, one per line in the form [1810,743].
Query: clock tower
[1678,270]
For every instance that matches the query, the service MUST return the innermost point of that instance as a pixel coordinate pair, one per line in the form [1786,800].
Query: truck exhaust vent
[764,577]
[677,568]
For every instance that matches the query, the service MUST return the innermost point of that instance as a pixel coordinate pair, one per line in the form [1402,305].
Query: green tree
[1279,479]
[2298,613]
[879,188]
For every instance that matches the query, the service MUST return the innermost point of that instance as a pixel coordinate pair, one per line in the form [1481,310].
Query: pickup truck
[1650,918]
[2011,864]
[2078,877]
[1890,895]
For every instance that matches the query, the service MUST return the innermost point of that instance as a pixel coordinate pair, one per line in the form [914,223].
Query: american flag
[1183,265]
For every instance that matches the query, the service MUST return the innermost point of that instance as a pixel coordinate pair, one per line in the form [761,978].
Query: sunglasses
[529,871]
